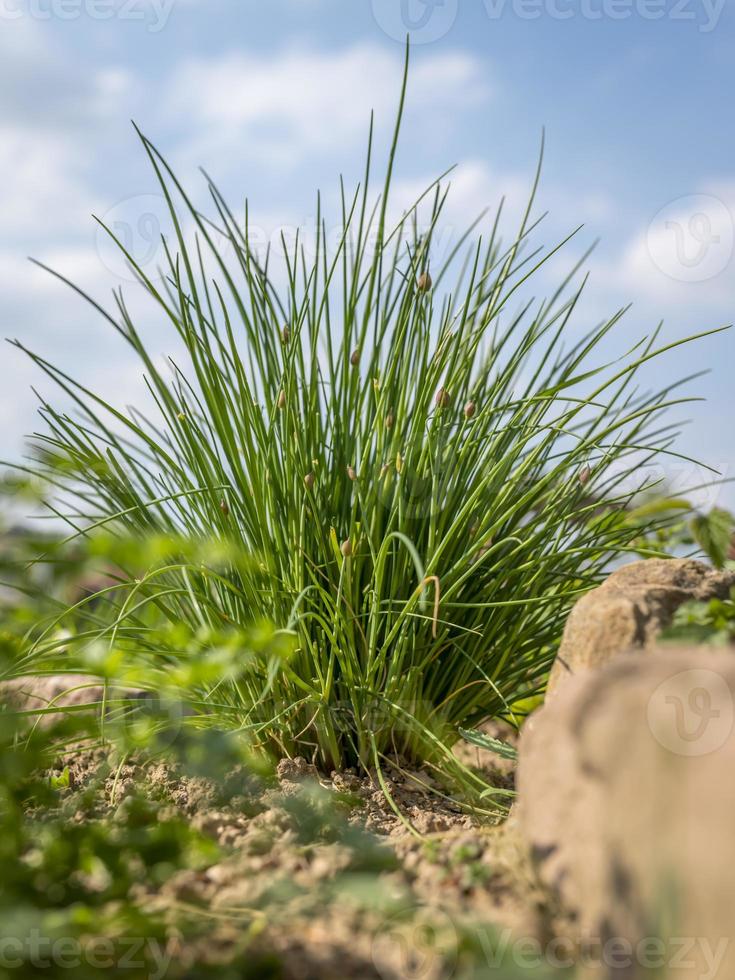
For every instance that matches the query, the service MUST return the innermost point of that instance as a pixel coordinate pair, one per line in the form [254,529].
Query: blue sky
[273,99]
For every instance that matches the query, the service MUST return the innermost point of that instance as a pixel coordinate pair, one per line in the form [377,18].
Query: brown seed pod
[351,473]
[443,398]
[390,420]
[224,508]
[309,481]
[282,399]
[346,548]
[355,357]
[470,409]
[424,282]
[584,475]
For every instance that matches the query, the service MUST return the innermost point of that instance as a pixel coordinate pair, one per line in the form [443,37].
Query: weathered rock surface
[629,610]
[51,691]
[627,801]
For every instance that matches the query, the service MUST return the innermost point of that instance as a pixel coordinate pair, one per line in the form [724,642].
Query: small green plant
[413,479]
[714,532]
[704,622]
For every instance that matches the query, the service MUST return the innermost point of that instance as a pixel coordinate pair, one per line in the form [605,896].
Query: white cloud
[279,109]
[43,86]
[44,188]
[49,105]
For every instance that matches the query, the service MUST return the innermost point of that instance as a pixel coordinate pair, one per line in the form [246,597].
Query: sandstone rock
[627,802]
[629,610]
[59,691]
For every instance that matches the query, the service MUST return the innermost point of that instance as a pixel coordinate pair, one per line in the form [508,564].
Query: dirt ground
[320,876]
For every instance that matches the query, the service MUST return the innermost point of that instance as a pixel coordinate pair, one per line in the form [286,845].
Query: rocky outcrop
[626,788]
[629,610]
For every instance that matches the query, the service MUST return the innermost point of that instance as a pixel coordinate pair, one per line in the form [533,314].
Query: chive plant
[426,470]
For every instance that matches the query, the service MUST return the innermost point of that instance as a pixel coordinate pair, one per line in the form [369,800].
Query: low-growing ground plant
[704,622]
[711,622]
[407,467]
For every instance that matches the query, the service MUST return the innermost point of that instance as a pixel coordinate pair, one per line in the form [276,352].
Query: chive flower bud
[424,283]
[470,409]
[584,475]
[285,335]
[346,548]
[351,473]
[355,357]
[309,480]
[282,399]
[224,508]
[390,420]
[443,398]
